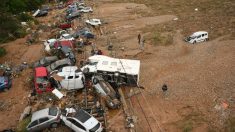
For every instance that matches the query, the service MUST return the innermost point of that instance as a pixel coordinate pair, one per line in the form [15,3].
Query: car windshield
[41,79]
[96,127]
[53,111]
[192,37]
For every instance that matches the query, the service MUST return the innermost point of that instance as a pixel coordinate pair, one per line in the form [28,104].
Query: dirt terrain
[200,77]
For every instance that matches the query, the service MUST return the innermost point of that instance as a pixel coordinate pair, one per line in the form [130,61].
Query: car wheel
[54,125]
[194,42]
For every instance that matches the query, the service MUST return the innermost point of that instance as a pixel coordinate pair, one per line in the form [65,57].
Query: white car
[86,10]
[67,36]
[81,121]
[196,37]
[93,22]
[71,78]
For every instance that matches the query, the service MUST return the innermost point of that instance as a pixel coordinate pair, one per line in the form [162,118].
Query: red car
[68,43]
[41,81]
[65,26]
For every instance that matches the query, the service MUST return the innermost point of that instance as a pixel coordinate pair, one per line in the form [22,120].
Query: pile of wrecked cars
[96,80]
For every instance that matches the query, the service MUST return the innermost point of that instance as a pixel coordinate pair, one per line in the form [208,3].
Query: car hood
[90,123]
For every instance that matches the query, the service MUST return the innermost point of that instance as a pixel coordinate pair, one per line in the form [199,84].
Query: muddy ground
[200,77]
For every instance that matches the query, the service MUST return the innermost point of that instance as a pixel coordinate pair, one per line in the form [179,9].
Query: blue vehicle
[5,83]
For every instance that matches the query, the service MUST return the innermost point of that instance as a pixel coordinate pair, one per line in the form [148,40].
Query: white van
[72,79]
[196,37]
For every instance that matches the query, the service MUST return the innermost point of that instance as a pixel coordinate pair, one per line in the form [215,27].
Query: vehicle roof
[51,58]
[198,33]
[39,114]
[109,64]
[67,43]
[69,71]
[41,71]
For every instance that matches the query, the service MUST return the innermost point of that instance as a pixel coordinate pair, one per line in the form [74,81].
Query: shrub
[2,52]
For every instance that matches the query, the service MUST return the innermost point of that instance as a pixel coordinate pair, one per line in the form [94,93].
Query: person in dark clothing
[164,88]
[139,38]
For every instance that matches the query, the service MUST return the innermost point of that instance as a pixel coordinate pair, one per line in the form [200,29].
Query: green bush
[23,17]
[2,52]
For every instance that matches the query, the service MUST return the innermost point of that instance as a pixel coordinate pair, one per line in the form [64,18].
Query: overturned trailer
[114,70]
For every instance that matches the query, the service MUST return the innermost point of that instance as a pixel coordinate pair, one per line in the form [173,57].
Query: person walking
[142,43]
[139,37]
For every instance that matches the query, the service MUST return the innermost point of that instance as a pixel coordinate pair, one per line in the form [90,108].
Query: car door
[199,38]
[71,82]
[43,123]
[79,81]
[33,126]
[73,125]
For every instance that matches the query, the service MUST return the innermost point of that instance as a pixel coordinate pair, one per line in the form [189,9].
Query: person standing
[139,38]
[142,43]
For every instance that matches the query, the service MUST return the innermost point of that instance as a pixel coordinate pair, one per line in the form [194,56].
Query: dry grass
[216,17]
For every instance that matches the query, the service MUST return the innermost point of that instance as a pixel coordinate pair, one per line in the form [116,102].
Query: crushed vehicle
[104,89]
[41,80]
[200,36]
[86,9]
[67,43]
[58,65]
[67,52]
[70,78]
[73,15]
[114,70]
[65,25]
[66,37]
[43,119]
[40,13]
[45,61]
[81,121]
[85,32]
[93,22]
[5,83]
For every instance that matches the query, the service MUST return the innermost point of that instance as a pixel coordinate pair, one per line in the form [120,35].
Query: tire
[194,42]
[54,125]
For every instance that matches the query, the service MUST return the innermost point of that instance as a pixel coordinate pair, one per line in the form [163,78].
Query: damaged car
[41,80]
[81,121]
[114,70]
[58,65]
[70,78]
[43,119]
[104,89]
[45,61]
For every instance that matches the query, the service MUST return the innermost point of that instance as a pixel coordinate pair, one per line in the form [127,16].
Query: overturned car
[105,90]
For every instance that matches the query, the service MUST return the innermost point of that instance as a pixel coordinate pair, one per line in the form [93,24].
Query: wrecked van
[114,70]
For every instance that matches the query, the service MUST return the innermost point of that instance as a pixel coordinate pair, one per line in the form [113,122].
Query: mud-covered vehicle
[105,90]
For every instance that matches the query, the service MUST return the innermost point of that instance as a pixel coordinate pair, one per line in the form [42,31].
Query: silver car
[59,65]
[45,61]
[45,118]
